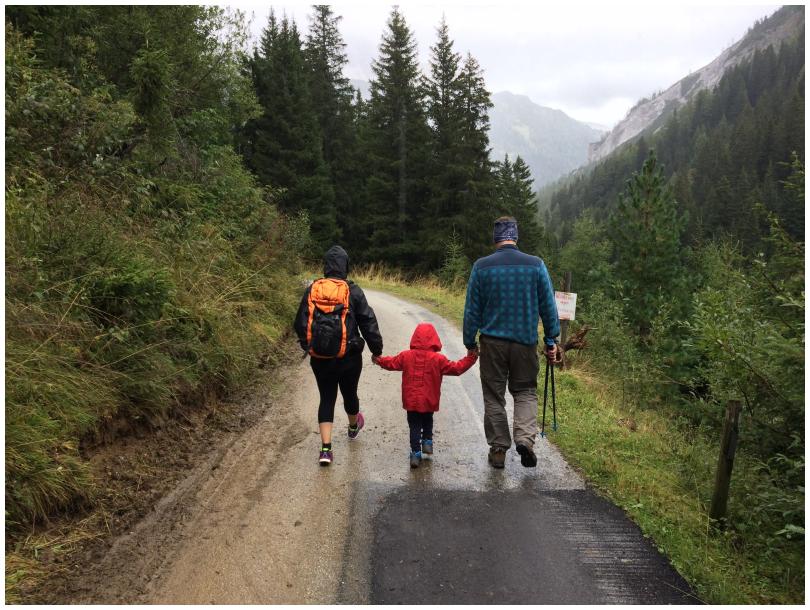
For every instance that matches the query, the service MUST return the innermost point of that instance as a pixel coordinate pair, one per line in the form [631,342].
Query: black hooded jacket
[361,316]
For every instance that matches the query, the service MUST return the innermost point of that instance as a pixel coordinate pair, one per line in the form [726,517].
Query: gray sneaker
[496,457]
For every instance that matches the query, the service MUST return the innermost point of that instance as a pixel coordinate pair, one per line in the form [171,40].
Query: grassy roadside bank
[148,273]
[129,473]
[660,472]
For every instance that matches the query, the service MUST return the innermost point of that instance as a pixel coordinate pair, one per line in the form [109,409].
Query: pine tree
[477,211]
[442,90]
[332,101]
[525,208]
[587,255]
[516,198]
[448,174]
[647,235]
[283,146]
[396,139]
[462,182]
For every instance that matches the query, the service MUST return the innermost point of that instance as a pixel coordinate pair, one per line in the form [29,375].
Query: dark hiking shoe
[496,457]
[325,458]
[355,430]
[427,446]
[416,459]
[527,456]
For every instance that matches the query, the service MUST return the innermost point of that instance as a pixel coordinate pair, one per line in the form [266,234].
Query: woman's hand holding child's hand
[473,353]
[375,359]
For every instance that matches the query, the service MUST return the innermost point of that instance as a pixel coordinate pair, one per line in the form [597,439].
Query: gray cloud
[591,61]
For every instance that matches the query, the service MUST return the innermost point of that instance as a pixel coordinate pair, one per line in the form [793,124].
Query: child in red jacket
[422,369]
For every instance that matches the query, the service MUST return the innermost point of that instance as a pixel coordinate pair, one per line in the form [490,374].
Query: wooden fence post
[728,445]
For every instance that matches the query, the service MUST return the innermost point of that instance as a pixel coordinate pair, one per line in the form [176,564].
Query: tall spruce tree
[461,180]
[477,210]
[647,235]
[396,141]
[516,198]
[447,171]
[332,101]
[283,146]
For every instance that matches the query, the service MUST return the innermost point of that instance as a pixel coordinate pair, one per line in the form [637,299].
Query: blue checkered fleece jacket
[507,292]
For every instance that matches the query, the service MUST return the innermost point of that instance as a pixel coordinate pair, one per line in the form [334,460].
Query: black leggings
[334,373]
[421,425]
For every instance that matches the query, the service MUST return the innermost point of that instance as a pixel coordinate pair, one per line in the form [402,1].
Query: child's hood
[425,337]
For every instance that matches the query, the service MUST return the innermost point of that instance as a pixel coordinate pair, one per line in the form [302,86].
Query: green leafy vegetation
[162,183]
[687,253]
[145,267]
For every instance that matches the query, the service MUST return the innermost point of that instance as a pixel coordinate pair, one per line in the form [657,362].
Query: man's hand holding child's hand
[375,359]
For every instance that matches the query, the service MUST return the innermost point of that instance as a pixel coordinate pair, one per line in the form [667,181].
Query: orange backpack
[326,326]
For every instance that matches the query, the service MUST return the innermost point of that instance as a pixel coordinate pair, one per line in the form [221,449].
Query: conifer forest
[169,179]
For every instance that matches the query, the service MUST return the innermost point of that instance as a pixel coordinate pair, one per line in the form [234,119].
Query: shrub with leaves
[142,271]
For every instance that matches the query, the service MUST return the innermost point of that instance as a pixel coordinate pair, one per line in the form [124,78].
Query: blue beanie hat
[505,230]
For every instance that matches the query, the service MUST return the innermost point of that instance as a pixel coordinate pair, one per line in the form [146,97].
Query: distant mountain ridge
[651,113]
[550,142]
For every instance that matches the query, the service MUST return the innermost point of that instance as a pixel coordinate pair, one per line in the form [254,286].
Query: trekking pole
[545,398]
[553,401]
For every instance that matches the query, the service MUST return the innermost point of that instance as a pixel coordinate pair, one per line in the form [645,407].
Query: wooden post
[566,287]
[728,445]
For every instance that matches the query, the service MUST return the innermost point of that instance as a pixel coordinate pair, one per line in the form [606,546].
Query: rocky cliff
[650,113]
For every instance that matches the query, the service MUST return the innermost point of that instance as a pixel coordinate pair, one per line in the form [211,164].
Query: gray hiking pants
[506,362]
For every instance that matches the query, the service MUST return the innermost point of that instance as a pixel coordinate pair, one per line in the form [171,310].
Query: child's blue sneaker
[427,446]
[416,459]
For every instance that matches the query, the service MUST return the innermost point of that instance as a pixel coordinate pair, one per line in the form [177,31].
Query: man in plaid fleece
[508,292]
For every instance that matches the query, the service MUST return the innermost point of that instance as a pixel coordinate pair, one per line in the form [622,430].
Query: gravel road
[263,523]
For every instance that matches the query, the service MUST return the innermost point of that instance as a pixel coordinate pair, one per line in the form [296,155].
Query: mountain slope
[724,152]
[651,113]
[551,142]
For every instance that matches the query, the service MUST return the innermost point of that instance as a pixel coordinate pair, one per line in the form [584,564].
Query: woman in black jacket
[341,372]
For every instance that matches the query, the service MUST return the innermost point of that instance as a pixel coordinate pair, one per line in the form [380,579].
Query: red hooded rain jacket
[422,369]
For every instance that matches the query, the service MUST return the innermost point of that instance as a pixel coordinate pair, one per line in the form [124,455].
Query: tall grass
[427,289]
[165,324]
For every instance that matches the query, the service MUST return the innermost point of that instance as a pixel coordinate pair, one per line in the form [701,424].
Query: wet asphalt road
[273,527]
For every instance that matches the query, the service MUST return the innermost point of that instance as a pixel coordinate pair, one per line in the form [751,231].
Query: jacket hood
[336,263]
[425,337]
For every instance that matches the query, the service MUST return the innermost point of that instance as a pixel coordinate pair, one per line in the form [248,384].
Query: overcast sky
[593,62]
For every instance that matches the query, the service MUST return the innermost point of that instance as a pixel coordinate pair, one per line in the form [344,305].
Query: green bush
[141,272]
